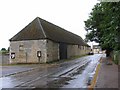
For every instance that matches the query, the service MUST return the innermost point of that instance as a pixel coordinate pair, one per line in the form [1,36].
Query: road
[70,74]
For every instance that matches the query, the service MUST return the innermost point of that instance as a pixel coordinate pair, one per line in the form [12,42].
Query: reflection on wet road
[72,74]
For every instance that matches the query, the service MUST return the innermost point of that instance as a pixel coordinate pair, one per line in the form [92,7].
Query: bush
[3,51]
[116,57]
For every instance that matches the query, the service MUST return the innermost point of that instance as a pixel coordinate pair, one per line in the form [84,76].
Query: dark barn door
[63,51]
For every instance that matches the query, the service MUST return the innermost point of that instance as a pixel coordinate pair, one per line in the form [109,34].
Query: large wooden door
[63,51]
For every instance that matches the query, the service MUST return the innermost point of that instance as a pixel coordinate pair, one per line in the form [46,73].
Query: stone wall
[52,51]
[4,58]
[72,50]
[76,50]
[26,51]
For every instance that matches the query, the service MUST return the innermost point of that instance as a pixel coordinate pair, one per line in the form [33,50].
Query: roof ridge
[41,27]
[59,27]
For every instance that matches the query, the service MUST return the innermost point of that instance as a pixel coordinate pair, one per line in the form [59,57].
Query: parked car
[90,53]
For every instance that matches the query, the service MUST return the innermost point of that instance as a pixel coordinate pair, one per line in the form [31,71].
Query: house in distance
[97,49]
[41,41]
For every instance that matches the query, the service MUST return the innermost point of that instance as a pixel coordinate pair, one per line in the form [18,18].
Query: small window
[39,54]
[21,48]
[12,55]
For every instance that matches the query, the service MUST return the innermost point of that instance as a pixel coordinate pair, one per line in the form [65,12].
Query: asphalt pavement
[70,74]
[108,75]
[14,69]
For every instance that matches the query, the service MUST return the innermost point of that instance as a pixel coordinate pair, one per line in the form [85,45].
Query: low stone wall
[4,58]
[116,56]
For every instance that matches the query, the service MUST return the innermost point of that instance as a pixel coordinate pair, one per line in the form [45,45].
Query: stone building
[97,49]
[41,42]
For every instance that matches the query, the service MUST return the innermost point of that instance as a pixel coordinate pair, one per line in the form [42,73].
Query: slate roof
[42,29]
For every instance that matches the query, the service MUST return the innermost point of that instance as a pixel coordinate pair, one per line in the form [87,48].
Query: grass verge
[66,60]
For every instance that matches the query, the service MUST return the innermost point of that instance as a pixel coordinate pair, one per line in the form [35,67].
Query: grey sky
[68,14]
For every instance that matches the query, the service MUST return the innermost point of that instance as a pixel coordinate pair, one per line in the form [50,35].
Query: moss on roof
[42,29]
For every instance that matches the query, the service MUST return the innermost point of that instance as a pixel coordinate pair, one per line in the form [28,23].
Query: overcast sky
[68,14]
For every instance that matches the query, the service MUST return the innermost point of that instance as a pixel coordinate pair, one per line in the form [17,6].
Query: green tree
[103,25]
[3,49]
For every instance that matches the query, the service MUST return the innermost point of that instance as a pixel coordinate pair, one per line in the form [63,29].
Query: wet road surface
[70,74]
[11,69]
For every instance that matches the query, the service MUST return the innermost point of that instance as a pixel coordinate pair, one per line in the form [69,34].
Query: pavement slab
[108,74]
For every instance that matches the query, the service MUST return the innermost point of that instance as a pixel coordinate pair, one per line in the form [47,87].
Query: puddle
[79,70]
[62,80]
[59,82]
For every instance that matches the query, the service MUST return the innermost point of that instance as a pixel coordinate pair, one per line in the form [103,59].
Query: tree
[103,25]
[3,49]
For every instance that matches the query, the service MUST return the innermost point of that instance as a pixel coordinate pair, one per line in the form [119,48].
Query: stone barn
[41,42]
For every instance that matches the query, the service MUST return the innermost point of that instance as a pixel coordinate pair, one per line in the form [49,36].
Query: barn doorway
[63,51]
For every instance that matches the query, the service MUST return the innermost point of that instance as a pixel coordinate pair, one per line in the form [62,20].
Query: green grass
[66,60]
